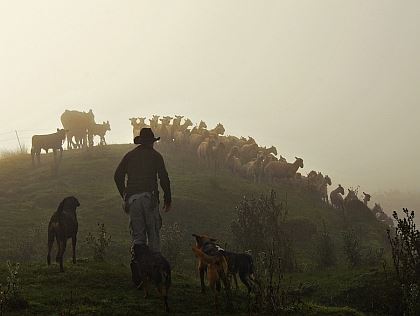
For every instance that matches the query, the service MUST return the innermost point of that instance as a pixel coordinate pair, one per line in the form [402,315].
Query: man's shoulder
[143,150]
[156,153]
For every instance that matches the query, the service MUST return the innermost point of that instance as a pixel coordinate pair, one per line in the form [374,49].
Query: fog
[334,82]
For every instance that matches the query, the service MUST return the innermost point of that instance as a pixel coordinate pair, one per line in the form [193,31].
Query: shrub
[30,248]
[271,295]
[405,245]
[99,243]
[374,257]
[326,254]
[352,248]
[172,242]
[11,294]
[261,222]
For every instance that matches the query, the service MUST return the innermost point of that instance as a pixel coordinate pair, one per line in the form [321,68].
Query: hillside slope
[204,202]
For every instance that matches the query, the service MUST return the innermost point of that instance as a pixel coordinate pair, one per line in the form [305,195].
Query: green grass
[204,202]
[89,288]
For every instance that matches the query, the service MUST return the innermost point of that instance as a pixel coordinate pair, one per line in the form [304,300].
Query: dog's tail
[206,258]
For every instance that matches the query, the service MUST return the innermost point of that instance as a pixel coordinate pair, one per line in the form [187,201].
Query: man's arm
[165,183]
[119,176]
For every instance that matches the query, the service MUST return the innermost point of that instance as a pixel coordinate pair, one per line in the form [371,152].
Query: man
[140,192]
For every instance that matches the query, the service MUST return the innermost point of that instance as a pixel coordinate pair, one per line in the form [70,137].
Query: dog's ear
[76,202]
[213,239]
[197,238]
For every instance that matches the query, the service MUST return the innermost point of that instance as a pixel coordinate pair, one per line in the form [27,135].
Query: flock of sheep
[242,156]
[245,158]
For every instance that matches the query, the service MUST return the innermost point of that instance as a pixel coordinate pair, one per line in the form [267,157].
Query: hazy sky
[335,82]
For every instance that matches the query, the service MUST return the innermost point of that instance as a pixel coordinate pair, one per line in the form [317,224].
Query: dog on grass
[211,260]
[148,267]
[242,264]
[63,225]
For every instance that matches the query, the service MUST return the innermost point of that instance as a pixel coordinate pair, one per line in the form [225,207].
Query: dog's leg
[73,243]
[59,246]
[163,292]
[63,249]
[50,245]
[246,281]
[146,289]
[202,270]
[236,281]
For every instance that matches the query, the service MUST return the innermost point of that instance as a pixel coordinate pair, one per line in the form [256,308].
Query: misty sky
[334,82]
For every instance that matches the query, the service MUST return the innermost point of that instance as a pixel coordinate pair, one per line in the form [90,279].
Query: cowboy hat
[146,137]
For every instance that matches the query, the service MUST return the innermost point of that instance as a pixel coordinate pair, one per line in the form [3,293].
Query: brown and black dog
[151,267]
[211,260]
[63,225]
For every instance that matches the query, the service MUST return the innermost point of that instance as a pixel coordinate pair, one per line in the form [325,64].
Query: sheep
[138,123]
[218,130]
[268,151]
[323,190]
[164,130]
[253,168]
[280,170]
[319,183]
[336,197]
[248,152]
[351,196]
[366,198]
[205,151]
[219,153]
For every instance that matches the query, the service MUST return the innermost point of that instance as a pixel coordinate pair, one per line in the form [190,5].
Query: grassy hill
[204,202]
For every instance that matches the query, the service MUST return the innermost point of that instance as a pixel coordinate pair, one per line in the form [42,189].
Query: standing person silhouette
[136,180]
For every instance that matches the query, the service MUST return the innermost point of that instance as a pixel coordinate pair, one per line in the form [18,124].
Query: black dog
[63,225]
[151,267]
[242,264]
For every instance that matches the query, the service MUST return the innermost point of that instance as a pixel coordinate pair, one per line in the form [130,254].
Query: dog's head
[203,239]
[70,203]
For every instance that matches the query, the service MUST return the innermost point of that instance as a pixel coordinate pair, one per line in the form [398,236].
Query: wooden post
[17,136]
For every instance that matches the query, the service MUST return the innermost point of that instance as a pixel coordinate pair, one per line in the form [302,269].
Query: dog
[62,226]
[151,267]
[211,260]
[242,264]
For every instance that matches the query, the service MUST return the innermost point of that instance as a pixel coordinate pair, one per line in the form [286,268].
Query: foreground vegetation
[204,202]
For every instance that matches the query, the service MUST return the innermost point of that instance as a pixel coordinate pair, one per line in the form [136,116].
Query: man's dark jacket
[142,165]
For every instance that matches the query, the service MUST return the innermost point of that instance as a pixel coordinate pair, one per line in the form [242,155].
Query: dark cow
[47,142]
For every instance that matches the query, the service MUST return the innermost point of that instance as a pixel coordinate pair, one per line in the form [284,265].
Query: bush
[11,294]
[352,248]
[405,245]
[260,223]
[326,254]
[172,243]
[374,257]
[100,243]
[30,248]
[271,295]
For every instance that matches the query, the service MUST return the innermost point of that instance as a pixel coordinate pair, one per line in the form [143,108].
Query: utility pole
[17,136]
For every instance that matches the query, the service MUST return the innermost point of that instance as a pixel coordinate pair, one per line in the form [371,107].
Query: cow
[51,141]
[100,130]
